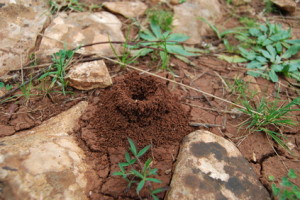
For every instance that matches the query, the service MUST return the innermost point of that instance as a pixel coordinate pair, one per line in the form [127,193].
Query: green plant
[138,173]
[160,43]
[6,86]
[270,7]
[63,5]
[57,70]
[160,17]
[269,115]
[269,50]
[287,190]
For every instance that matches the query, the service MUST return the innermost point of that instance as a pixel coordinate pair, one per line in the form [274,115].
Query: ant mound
[136,106]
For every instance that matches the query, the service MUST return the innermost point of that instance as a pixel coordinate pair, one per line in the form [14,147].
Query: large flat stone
[210,167]
[70,31]
[45,162]
[21,22]
[186,18]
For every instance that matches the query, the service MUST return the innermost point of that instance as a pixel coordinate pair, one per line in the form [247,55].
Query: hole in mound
[139,107]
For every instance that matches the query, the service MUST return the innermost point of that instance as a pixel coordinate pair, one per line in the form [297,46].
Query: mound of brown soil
[136,106]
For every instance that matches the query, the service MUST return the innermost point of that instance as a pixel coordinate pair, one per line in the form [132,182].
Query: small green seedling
[162,43]
[287,189]
[63,5]
[6,86]
[268,115]
[138,173]
[57,71]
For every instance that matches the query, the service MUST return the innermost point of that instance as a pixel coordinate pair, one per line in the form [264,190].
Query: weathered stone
[186,18]
[20,24]
[70,31]
[89,75]
[286,5]
[6,130]
[210,167]
[127,9]
[45,162]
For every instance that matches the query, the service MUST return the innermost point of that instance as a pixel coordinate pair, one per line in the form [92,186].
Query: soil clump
[136,106]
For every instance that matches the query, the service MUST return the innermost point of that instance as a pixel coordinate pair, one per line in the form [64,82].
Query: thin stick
[181,84]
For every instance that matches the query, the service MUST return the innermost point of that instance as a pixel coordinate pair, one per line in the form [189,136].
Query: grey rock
[210,167]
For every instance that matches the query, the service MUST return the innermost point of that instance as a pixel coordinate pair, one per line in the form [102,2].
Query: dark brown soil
[138,107]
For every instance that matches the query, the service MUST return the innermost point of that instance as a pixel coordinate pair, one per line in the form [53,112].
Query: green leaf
[293,67]
[292,174]
[232,59]
[143,151]
[147,164]
[140,186]
[177,49]
[132,146]
[8,87]
[136,173]
[142,52]
[277,68]
[213,27]
[265,53]
[291,51]
[272,52]
[254,73]
[255,32]
[285,182]
[261,59]
[156,30]
[177,37]
[278,47]
[254,65]
[248,55]
[275,190]
[127,157]
[297,41]
[148,36]
[2,84]
[118,174]
[158,190]
[273,76]
[153,180]
[271,178]
[154,197]
[153,171]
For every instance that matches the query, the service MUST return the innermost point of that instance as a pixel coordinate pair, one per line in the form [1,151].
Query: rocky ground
[67,146]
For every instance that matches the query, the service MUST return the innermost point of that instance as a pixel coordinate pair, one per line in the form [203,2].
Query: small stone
[76,29]
[210,167]
[45,162]
[89,75]
[286,5]
[127,9]
[186,18]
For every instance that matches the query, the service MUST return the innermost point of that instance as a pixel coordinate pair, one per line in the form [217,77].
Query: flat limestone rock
[70,31]
[210,167]
[45,162]
[127,9]
[289,6]
[20,24]
[186,18]
[89,75]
